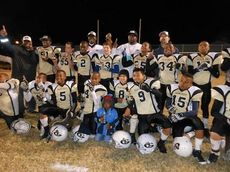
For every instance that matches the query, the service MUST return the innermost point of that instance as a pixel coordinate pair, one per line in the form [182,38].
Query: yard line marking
[68,168]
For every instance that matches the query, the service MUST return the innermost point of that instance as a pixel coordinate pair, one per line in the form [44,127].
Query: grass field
[29,154]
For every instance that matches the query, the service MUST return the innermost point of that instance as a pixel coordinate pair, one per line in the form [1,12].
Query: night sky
[186,21]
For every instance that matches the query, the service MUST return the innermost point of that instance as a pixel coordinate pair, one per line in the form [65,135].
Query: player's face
[95,79]
[83,48]
[168,49]
[40,78]
[3,78]
[132,39]
[61,78]
[145,48]
[123,79]
[107,105]
[164,39]
[185,83]
[46,43]
[138,77]
[68,49]
[107,50]
[92,39]
[203,47]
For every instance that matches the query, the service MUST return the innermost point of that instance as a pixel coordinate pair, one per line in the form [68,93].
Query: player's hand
[3,31]
[150,55]
[102,119]
[109,126]
[172,110]
[145,87]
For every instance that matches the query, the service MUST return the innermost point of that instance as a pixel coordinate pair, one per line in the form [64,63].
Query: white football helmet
[58,132]
[122,139]
[146,143]
[182,146]
[21,126]
[79,137]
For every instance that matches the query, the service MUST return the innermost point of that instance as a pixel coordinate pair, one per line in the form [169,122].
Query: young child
[9,89]
[107,120]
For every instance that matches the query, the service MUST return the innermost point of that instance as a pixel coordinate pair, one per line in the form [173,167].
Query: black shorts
[145,122]
[81,82]
[178,127]
[52,110]
[220,126]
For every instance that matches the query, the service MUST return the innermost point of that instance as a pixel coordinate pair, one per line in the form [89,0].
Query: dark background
[186,21]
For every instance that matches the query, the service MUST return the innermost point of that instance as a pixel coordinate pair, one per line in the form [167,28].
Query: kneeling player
[221,122]
[145,96]
[183,103]
[9,108]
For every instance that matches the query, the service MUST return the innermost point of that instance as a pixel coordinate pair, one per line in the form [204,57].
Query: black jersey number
[64,61]
[62,96]
[87,94]
[169,66]
[141,95]
[107,65]
[83,63]
[121,94]
[45,54]
[180,102]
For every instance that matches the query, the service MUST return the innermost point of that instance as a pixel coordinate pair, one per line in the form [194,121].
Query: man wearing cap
[46,58]
[129,49]
[24,61]
[164,38]
[92,39]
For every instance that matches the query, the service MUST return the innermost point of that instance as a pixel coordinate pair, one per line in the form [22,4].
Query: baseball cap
[132,32]
[108,98]
[26,38]
[164,32]
[92,33]
[45,37]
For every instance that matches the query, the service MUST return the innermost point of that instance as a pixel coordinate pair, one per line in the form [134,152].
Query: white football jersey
[9,98]
[222,93]
[83,63]
[196,59]
[96,47]
[182,99]
[65,63]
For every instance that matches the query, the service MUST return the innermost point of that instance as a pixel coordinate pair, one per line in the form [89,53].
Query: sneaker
[198,156]
[161,146]
[212,158]
[206,133]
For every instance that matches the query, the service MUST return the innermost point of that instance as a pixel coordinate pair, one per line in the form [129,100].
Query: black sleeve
[50,61]
[74,97]
[214,70]
[126,63]
[225,65]
[215,111]
[152,70]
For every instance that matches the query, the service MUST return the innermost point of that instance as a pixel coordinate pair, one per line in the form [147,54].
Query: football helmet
[20,126]
[78,136]
[182,146]
[146,143]
[58,132]
[122,139]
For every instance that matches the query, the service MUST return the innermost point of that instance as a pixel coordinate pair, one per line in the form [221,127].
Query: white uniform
[145,102]
[96,47]
[9,97]
[168,71]
[196,59]
[93,98]
[182,100]
[45,54]
[62,94]
[129,50]
[222,93]
[65,63]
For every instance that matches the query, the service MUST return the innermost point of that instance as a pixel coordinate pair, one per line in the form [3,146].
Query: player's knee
[215,136]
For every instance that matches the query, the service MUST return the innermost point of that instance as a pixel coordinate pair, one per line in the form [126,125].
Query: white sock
[215,144]
[44,121]
[198,143]
[205,122]
[163,136]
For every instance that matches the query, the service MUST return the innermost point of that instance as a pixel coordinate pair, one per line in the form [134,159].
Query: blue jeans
[100,137]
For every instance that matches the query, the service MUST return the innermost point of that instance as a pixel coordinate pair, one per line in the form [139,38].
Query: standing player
[169,65]
[145,94]
[221,122]
[119,89]
[183,103]
[65,61]
[92,39]
[128,50]
[46,57]
[94,92]
[204,65]
[9,90]
[225,66]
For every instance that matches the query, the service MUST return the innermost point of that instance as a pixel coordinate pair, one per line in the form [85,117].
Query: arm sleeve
[194,111]
[125,62]
[225,65]
[215,111]
[214,70]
